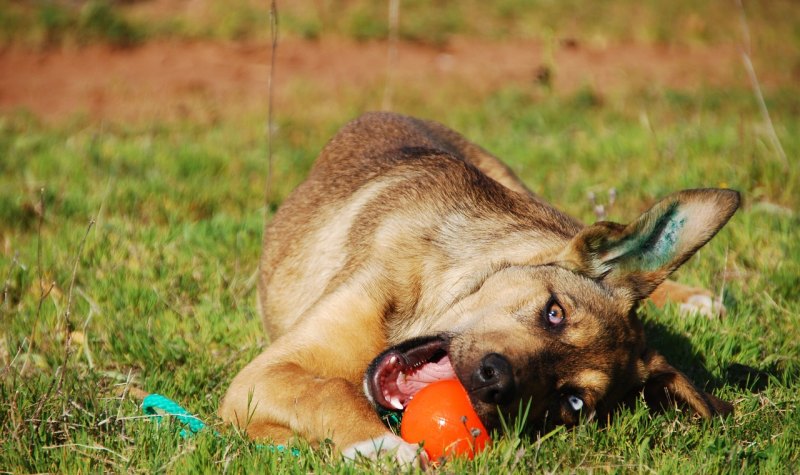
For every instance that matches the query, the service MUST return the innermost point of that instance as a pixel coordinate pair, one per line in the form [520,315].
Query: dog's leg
[692,300]
[275,399]
[308,382]
[273,432]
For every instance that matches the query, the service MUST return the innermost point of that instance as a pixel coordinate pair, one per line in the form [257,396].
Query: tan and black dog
[411,255]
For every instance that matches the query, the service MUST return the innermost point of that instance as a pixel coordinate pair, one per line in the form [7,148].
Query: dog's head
[563,338]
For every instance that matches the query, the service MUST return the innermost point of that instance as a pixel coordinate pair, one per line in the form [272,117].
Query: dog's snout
[493,380]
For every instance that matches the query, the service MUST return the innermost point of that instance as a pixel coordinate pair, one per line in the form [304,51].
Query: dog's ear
[638,257]
[665,386]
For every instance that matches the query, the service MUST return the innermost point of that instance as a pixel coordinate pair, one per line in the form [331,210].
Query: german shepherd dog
[411,255]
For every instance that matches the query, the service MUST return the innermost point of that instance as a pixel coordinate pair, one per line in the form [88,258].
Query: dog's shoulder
[375,142]
[375,135]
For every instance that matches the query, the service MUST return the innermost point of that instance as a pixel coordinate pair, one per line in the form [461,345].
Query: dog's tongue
[398,377]
[409,384]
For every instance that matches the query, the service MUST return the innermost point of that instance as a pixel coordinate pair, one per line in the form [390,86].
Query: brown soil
[168,80]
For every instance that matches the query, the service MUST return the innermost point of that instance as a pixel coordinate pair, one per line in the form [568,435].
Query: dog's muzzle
[492,381]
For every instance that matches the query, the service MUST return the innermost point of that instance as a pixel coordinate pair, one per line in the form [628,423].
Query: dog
[411,255]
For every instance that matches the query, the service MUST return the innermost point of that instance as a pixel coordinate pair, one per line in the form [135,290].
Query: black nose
[493,380]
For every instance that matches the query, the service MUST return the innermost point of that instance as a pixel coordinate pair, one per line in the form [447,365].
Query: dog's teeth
[395,402]
[393,360]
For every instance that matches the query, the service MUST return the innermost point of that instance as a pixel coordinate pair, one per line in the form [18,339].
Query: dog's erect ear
[665,386]
[640,256]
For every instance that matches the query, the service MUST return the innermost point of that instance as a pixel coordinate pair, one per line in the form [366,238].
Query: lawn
[128,254]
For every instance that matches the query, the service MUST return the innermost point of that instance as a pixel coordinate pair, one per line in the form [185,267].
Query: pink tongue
[409,384]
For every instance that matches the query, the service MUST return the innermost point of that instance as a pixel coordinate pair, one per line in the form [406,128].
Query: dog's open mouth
[396,375]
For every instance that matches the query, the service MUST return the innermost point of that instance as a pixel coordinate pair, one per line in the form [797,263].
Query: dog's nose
[493,380]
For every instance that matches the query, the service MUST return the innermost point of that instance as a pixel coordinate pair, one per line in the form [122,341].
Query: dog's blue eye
[575,403]
[555,314]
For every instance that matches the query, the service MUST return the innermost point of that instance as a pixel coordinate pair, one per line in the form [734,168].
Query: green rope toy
[158,406]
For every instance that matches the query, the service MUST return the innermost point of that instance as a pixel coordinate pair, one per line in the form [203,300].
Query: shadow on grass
[681,353]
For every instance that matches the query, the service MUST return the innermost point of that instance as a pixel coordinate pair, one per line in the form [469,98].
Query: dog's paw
[702,304]
[388,445]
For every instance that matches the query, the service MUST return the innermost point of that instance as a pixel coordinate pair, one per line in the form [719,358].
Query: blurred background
[144,60]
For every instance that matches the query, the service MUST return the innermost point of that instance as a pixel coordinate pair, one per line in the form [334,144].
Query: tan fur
[405,229]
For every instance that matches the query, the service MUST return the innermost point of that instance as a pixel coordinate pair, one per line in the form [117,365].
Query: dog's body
[410,254]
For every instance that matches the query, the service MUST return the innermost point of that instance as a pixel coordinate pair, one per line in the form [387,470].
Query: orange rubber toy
[441,417]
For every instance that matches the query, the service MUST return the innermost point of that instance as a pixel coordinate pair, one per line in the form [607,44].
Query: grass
[51,23]
[127,23]
[163,295]
[128,251]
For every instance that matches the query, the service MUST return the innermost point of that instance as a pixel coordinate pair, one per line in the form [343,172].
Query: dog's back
[385,163]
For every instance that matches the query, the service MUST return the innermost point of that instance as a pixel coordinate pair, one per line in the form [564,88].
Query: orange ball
[441,417]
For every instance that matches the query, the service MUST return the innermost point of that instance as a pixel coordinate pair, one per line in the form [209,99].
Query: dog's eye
[575,403]
[555,313]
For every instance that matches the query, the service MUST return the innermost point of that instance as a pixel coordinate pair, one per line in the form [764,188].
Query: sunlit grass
[163,296]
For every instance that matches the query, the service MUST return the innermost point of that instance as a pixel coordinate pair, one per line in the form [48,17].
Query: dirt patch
[169,80]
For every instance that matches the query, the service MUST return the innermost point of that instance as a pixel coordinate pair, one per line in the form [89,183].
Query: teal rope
[153,403]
